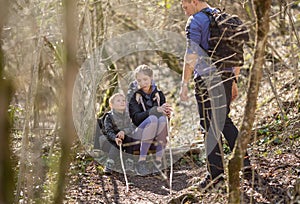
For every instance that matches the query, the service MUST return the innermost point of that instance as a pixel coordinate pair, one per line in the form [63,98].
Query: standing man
[214,90]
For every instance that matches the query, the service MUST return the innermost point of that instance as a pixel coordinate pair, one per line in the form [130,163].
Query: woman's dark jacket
[115,122]
[136,111]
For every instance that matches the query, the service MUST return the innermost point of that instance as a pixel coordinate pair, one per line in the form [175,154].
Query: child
[118,128]
[148,110]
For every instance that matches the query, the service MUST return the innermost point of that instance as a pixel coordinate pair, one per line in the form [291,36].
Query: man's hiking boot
[141,168]
[108,169]
[250,173]
[207,182]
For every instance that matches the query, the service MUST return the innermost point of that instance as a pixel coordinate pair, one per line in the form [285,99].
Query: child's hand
[121,135]
[118,141]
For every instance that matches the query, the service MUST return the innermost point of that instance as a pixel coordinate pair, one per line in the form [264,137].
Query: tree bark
[6,171]
[262,10]
[67,134]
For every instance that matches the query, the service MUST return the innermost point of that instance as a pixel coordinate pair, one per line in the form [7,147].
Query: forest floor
[274,154]
[278,168]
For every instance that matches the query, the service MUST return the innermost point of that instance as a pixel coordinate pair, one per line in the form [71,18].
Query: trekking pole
[171,156]
[123,168]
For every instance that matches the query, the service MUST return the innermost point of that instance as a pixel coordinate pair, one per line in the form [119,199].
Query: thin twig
[123,168]
[293,57]
[282,112]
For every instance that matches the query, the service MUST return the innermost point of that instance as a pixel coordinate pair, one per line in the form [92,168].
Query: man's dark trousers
[216,90]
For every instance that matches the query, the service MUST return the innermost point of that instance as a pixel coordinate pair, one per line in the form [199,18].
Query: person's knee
[162,123]
[162,140]
[162,119]
[153,119]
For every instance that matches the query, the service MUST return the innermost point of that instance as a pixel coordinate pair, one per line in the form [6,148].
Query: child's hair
[112,98]
[145,69]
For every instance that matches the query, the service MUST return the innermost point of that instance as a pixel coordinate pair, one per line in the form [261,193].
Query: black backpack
[100,121]
[228,34]
[100,133]
[132,88]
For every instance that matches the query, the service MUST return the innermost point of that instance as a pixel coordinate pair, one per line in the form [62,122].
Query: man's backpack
[228,34]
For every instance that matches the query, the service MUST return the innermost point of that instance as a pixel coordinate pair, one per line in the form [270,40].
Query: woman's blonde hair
[145,69]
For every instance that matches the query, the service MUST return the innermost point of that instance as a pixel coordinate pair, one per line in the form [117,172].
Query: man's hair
[145,69]
[114,96]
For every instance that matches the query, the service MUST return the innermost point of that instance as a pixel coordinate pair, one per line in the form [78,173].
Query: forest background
[51,81]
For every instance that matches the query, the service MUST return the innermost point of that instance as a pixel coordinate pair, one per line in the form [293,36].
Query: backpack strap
[157,97]
[142,102]
[211,18]
[139,99]
[212,22]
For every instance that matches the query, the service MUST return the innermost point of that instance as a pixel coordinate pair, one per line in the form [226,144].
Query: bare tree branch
[262,10]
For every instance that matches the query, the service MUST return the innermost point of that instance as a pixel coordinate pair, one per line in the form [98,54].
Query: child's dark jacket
[115,122]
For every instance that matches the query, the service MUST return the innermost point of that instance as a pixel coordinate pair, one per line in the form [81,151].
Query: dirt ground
[274,183]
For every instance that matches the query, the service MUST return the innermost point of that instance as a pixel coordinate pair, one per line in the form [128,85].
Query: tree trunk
[262,10]
[67,134]
[27,129]
[6,172]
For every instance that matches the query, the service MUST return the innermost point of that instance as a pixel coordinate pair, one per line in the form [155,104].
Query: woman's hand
[166,109]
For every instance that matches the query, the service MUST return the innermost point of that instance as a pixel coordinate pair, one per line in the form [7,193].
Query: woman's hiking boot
[141,168]
[156,166]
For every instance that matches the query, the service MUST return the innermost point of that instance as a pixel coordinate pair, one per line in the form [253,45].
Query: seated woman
[148,110]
